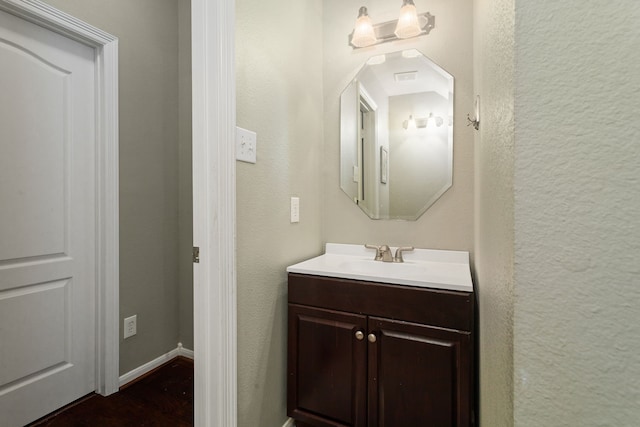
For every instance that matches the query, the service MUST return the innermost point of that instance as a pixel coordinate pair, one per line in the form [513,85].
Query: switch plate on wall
[130,326]
[246,145]
[295,209]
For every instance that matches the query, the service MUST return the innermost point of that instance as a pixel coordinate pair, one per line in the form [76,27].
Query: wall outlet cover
[130,326]
[246,145]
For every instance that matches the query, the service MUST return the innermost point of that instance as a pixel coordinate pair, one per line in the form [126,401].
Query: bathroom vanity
[381,344]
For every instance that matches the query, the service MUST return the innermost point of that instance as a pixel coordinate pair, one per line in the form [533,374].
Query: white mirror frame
[214,206]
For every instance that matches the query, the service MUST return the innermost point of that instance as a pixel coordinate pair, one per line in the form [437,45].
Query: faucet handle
[398,257]
[378,251]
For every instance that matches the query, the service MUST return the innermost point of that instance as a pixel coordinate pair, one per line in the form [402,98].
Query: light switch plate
[295,209]
[246,145]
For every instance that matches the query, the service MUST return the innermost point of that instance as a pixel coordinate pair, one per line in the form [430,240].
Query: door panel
[34,158]
[47,221]
[327,373]
[417,375]
[47,329]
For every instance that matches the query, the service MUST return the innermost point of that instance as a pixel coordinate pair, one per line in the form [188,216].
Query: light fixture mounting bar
[385,30]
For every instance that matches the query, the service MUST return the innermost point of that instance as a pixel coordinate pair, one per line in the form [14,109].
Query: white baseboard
[158,361]
[184,352]
[290,423]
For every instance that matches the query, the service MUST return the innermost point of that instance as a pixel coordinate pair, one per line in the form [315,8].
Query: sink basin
[427,268]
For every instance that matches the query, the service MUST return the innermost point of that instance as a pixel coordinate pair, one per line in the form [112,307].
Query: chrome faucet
[383,253]
[398,256]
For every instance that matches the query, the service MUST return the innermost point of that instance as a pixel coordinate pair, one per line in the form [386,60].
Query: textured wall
[148,101]
[577,227]
[448,224]
[279,95]
[494,215]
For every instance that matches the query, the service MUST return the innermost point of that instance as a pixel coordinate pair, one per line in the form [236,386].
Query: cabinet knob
[372,338]
[359,335]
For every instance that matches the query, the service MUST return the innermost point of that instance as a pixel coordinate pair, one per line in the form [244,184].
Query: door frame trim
[107,219]
[214,212]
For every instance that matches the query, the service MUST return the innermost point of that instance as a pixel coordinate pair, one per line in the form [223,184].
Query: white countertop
[427,268]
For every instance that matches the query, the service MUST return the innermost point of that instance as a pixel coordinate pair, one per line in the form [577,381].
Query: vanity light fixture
[411,53]
[377,60]
[409,24]
[363,34]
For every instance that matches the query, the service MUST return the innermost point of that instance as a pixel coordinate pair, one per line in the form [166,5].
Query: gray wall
[279,96]
[149,169]
[185,193]
[448,224]
[494,214]
[577,213]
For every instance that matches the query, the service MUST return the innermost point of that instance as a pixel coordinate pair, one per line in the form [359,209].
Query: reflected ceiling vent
[407,76]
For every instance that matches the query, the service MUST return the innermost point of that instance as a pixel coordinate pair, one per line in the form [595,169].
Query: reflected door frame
[107,219]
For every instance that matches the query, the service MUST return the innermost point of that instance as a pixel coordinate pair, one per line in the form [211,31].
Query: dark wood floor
[163,397]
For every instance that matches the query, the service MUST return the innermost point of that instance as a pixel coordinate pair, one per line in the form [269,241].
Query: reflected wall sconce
[411,123]
[422,122]
[409,24]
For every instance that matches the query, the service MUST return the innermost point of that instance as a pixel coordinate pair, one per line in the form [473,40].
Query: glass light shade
[363,34]
[408,25]
[409,124]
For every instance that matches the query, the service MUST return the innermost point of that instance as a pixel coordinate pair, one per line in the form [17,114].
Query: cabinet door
[327,371]
[418,375]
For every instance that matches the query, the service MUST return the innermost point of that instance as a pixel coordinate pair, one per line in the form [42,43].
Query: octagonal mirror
[396,135]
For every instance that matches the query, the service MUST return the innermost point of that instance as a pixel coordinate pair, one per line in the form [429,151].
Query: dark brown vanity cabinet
[366,354]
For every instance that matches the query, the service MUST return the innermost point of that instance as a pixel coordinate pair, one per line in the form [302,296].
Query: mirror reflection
[396,135]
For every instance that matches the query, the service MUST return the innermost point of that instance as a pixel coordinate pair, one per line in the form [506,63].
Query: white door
[47,221]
